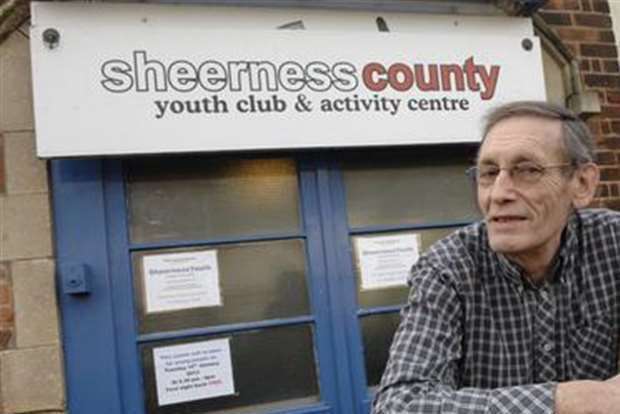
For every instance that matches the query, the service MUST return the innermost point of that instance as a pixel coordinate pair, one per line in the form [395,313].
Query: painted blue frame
[89,211]
[87,320]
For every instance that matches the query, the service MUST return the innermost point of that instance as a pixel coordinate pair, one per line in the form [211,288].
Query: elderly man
[517,313]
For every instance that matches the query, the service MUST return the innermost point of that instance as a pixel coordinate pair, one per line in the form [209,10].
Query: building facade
[302,222]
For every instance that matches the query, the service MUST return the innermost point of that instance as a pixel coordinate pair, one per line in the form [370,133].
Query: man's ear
[585,182]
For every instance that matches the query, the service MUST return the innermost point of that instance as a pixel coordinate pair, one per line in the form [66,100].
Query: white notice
[385,261]
[193,371]
[181,281]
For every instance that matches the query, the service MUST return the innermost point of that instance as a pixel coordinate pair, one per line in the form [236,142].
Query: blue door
[237,284]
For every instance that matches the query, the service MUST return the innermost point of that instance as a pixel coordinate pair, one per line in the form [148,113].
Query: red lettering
[373,76]
[395,80]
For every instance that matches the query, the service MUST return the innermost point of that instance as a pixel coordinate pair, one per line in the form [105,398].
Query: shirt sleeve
[422,375]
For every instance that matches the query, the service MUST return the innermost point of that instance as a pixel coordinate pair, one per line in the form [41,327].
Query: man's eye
[489,172]
[528,169]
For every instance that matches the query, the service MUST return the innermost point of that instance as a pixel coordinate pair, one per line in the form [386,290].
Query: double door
[244,284]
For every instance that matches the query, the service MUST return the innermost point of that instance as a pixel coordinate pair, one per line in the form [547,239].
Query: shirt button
[548,347]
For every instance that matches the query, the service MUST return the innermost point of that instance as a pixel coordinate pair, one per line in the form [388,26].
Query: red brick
[614,189]
[613,98]
[615,125]
[5,338]
[610,111]
[601,6]
[598,50]
[6,297]
[610,142]
[605,127]
[556,19]
[6,315]
[606,158]
[592,20]
[585,5]
[585,35]
[584,65]
[602,81]
[611,66]
[562,5]
[602,190]
[607,36]
[596,65]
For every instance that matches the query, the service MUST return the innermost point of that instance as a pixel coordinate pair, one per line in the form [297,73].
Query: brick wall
[30,352]
[585,27]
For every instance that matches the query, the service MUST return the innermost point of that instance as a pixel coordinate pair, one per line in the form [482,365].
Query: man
[518,313]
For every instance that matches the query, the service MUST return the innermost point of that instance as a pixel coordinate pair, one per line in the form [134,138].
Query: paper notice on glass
[195,371]
[181,281]
[385,261]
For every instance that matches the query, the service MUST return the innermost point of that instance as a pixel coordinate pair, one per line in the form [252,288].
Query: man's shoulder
[458,251]
[598,219]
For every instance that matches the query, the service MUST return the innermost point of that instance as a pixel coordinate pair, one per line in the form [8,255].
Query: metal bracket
[75,279]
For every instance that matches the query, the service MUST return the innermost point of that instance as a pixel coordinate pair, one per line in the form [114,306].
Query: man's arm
[421,375]
[588,397]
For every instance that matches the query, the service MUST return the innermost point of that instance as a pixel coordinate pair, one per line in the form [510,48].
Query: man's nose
[503,187]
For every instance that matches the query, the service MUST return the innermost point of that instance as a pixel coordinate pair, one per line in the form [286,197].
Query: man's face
[525,221]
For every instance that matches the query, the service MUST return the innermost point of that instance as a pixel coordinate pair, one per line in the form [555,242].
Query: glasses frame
[514,172]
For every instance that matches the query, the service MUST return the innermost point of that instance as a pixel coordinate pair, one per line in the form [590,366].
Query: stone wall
[31,378]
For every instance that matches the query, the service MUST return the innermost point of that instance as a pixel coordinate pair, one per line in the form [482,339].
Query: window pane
[396,295]
[272,368]
[413,187]
[192,198]
[377,333]
[262,280]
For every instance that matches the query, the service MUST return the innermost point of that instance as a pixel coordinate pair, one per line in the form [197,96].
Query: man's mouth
[507,219]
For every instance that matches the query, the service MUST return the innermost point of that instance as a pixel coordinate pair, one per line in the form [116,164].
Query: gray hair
[576,136]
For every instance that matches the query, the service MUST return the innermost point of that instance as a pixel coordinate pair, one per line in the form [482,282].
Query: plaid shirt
[476,337]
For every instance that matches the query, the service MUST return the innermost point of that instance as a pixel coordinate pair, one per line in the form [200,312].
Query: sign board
[385,261]
[193,371]
[156,79]
[176,281]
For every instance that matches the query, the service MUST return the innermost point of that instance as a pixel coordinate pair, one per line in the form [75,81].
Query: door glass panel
[198,198]
[377,333]
[426,185]
[261,280]
[273,368]
[394,295]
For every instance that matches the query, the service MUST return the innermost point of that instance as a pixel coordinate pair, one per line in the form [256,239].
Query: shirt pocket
[593,348]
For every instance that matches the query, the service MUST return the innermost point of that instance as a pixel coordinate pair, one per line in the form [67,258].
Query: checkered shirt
[476,337]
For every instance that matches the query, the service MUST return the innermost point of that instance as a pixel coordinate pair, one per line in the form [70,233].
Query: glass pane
[272,368]
[395,295]
[426,185]
[192,198]
[377,334]
[262,280]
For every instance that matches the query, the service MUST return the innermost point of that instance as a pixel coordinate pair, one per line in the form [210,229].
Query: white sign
[193,371]
[181,281]
[141,79]
[385,261]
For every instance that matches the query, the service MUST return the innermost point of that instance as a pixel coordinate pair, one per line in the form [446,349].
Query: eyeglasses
[523,173]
